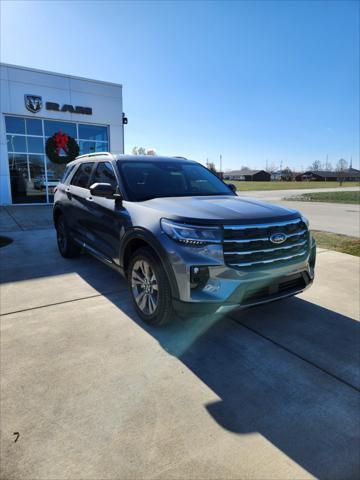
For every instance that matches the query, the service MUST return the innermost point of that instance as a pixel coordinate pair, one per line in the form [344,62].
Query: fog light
[198,277]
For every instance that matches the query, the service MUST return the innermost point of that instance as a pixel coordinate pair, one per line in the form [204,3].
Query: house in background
[248,175]
[350,174]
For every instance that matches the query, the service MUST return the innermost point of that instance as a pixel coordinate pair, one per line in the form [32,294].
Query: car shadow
[287,371]
[308,413]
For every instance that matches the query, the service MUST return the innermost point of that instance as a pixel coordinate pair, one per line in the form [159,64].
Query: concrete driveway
[268,393]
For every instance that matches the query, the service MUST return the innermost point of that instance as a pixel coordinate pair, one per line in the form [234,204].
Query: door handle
[68,193]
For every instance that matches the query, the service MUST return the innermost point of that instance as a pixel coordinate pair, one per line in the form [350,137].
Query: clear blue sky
[255,81]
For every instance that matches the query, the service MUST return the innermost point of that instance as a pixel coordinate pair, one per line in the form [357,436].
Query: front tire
[66,246]
[149,288]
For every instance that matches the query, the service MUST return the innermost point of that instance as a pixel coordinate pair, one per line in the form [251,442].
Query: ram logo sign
[33,103]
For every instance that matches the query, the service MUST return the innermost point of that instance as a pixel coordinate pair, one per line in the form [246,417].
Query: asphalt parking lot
[267,393]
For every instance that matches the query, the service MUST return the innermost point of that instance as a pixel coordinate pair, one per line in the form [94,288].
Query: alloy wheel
[145,288]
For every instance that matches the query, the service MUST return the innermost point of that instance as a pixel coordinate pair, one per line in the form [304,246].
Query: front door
[107,215]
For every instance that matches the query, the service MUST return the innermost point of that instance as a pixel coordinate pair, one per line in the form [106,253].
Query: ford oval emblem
[277,238]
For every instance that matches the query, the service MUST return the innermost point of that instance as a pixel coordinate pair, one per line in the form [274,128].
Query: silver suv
[183,239]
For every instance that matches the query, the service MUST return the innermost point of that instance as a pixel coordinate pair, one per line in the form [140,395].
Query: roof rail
[184,158]
[108,154]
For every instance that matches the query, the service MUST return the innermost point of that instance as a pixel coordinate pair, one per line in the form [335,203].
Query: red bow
[61,140]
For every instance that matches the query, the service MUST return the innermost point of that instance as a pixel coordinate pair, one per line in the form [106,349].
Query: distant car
[183,238]
[40,183]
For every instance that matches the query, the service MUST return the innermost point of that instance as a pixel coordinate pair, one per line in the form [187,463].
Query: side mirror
[232,187]
[105,190]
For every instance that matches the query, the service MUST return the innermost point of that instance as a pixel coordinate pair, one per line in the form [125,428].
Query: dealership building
[77,115]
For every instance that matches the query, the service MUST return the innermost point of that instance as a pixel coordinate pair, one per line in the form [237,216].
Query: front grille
[292,284]
[249,246]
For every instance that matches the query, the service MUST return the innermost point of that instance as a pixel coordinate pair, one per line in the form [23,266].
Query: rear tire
[67,247]
[149,288]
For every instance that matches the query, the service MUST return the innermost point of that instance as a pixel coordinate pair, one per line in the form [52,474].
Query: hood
[225,209]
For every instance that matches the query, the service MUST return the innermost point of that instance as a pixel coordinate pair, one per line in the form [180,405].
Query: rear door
[107,215]
[79,194]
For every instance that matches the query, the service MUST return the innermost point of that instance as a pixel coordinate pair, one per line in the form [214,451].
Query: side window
[104,173]
[67,172]
[82,175]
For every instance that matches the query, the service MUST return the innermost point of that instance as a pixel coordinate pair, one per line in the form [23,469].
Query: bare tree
[287,174]
[328,165]
[316,165]
[341,167]
[138,151]
[211,166]
[245,168]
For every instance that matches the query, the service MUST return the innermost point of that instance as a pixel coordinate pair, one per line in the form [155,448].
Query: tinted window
[33,126]
[67,172]
[150,179]
[82,175]
[93,132]
[104,173]
[15,125]
[16,143]
[54,127]
[35,145]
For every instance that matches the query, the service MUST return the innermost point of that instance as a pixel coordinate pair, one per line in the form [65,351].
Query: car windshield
[152,179]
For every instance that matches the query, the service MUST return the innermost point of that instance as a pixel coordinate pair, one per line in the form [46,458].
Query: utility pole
[221,163]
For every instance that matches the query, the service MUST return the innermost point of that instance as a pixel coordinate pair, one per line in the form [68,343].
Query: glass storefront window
[93,132]
[54,175]
[16,143]
[30,181]
[34,127]
[25,172]
[15,125]
[90,147]
[35,144]
[52,127]
[87,147]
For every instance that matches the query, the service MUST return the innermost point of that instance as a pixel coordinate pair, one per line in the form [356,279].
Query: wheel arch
[57,212]
[138,238]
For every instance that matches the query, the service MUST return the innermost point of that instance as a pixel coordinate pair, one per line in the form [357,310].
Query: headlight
[190,234]
[305,220]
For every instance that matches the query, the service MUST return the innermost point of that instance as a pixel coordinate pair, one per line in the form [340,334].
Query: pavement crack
[61,303]
[14,218]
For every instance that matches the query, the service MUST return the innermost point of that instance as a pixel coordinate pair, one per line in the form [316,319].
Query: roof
[332,174]
[75,77]
[123,157]
[244,172]
[322,173]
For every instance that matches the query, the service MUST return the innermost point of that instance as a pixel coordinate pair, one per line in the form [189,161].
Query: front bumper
[243,298]
[227,288]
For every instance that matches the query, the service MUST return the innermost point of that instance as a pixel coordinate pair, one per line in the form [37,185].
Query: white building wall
[104,98]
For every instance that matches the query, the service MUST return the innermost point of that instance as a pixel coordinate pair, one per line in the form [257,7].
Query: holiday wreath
[61,148]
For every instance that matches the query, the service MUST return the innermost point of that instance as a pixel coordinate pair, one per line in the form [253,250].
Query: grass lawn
[339,243]
[330,197]
[243,186]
